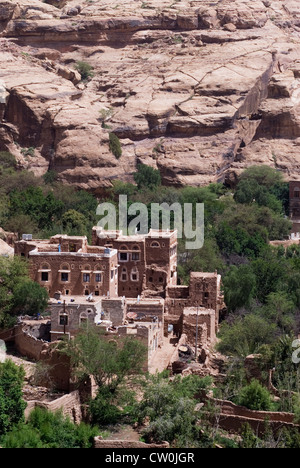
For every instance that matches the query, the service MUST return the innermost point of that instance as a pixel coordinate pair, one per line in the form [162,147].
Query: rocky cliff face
[198,89]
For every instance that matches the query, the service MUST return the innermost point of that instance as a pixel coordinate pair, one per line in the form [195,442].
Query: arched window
[155,244]
[45,271]
[135,256]
[124,275]
[134,276]
[83,318]
[65,273]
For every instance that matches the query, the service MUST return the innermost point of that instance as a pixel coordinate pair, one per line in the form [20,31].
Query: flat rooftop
[118,235]
[73,300]
[198,310]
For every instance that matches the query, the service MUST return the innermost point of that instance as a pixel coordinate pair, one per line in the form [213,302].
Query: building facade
[69,266]
[146,262]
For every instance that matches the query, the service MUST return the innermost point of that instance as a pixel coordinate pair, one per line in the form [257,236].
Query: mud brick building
[204,291]
[147,263]
[68,317]
[68,265]
[125,284]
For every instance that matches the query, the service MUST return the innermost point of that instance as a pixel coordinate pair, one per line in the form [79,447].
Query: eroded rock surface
[198,89]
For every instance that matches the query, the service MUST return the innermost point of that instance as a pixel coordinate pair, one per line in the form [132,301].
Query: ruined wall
[69,404]
[232,417]
[28,345]
[127,444]
[206,322]
[114,310]
[189,330]
[59,372]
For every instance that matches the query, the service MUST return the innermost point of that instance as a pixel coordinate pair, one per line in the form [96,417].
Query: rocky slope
[198,89]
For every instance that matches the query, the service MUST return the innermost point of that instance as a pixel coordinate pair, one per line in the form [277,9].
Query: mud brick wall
[69,404]
[114,310]
[205,317]
[127,444]
[189,331]
[74,264]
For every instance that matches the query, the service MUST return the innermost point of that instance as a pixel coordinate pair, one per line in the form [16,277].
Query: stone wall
[205,319]
[69,404]
[232,417]
[114,310]
[27,345]
[127,444]
[59,372]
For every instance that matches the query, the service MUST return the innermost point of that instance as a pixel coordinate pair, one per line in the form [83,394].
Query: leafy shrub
[115,145]
[85,70]
[146,176]
[255,397]
[50,430]
[12,405]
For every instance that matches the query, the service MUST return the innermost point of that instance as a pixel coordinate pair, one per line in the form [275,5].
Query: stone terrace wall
[127,444]
[69,404]
[232,417]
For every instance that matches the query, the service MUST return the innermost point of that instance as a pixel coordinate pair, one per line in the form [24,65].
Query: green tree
[107,361]
[255,397]
[74,223]
[264,186]
[42,208]
[146,176]
[29,298]
[13,271]
[239,287]
[7,160]
[115,145]
[12,405]
[245,335]
[21,224]
[248,438]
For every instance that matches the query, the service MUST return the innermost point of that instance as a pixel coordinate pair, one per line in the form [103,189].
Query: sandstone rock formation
[198,89]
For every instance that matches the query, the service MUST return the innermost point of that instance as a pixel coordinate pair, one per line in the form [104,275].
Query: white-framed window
[134,275]
[86,277]
[123,256]
[124,275]
[98,278]
[155,244]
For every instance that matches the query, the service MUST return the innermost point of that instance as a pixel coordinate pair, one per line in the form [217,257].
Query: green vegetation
[18,293]
[115,145]
[49,430]
[255,397]
[147,177]
[261,290]
[85,70]
[12,406]
[42,206]
[110,363]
